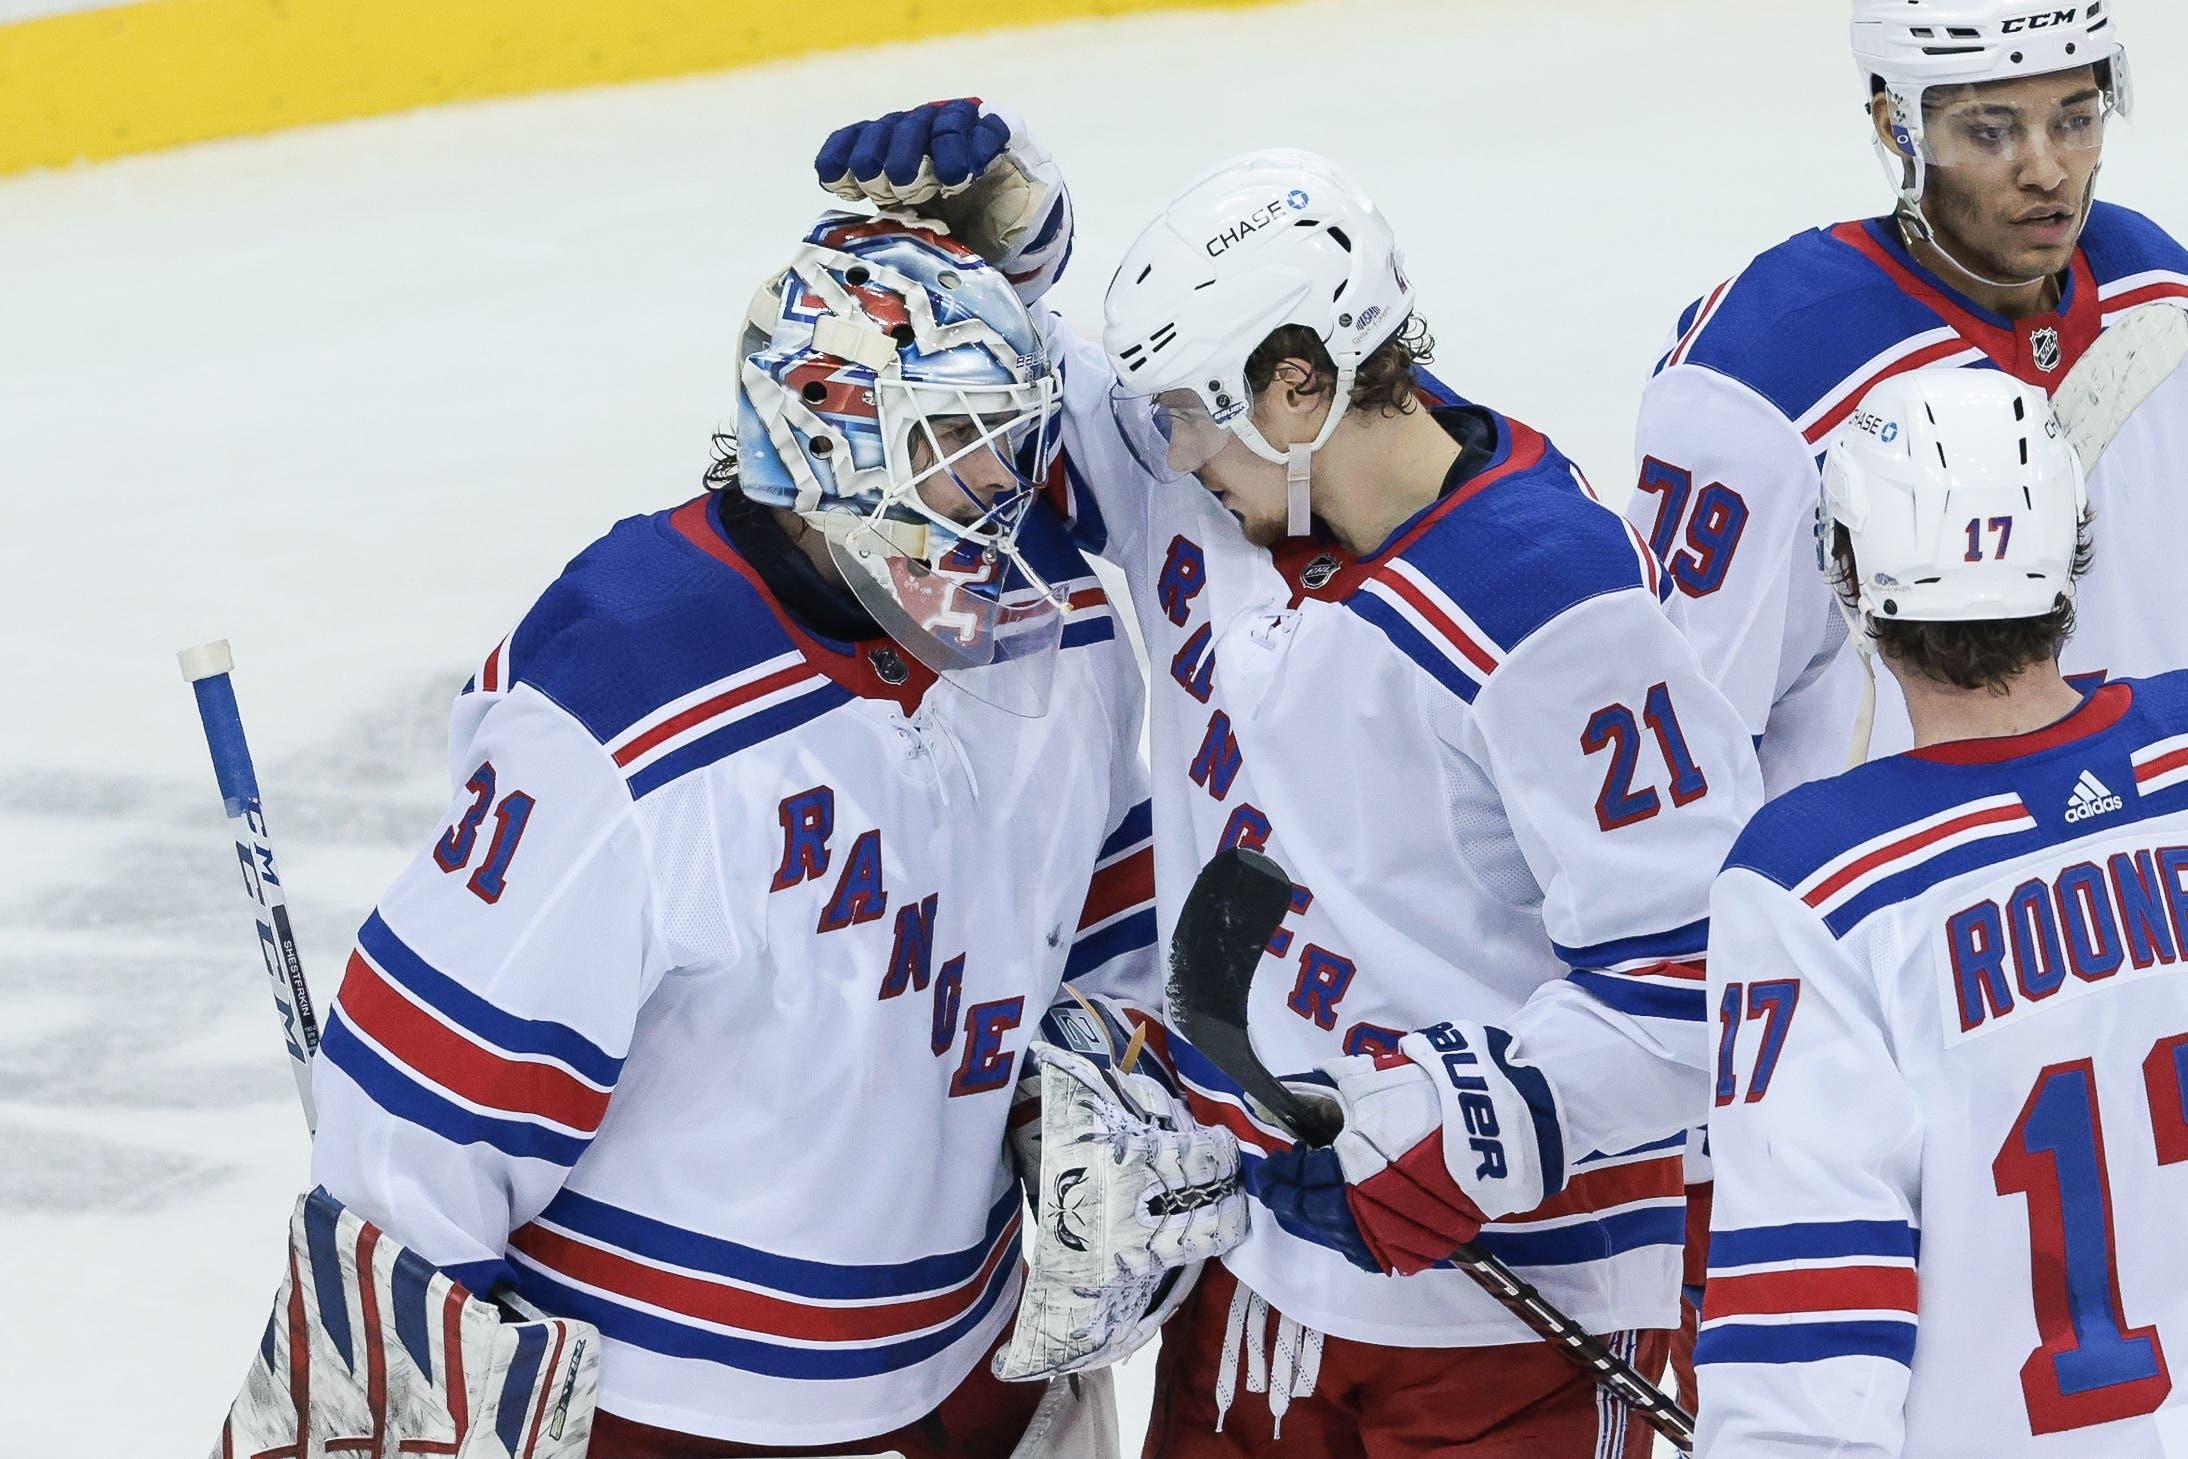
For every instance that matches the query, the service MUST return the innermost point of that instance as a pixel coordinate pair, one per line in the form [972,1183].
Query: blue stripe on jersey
[398,1092]
[1118,938]
[680,1340]
[477,1276]
[741,734]
[1524,549]
[1409,641]
[1804,1342]
[1812,1240]
[1138,824]
[796,1276]
[1586,1241]
[1666,1145]
[459,1005]
[1196,1066]
[1643,1000]
[1681,944]
[1086,631]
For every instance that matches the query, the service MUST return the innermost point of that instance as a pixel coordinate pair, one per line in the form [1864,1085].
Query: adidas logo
[2090,799]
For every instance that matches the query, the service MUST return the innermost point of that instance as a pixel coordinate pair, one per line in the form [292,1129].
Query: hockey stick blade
[1223,932]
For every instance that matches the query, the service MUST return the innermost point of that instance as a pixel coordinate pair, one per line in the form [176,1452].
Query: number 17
[2001,528]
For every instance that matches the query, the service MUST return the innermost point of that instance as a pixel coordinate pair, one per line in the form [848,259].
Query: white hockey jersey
[699,1018]
[1767,367]
[1501,784]
[1951,1108]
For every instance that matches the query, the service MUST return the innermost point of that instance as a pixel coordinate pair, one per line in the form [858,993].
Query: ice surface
[349,397]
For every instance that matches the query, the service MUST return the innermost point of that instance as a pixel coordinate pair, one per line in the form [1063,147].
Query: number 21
[1614,728]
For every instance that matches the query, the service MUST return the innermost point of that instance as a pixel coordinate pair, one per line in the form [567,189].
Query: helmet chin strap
[1915,225]
[1298,460]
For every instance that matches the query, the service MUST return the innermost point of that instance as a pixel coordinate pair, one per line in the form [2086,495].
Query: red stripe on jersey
[1230,1117]
[1825,1289]
[440,1054]
[1123,883]
[1701,322]
[490,674]
[1908,845]
[2164,764]
[750,1311]
[1616,1185]
[2098,713]
[1920,359]
[1088,598]
[1441,621]
[720,704]
[2147,294]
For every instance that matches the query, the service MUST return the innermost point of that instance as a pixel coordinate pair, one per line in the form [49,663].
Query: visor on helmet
[1170,435]
[1966,127]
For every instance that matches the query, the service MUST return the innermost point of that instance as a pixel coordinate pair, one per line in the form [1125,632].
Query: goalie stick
[206,669]
[1234,907]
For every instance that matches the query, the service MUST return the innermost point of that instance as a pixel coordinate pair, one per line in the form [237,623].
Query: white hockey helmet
[1911,46]
[1265,240]
[1961,497]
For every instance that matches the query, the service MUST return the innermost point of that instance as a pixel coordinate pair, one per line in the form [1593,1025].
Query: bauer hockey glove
[968,166]
[373,1349]
[1439,1137]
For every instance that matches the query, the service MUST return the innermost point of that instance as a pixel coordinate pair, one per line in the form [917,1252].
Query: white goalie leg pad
[372,1352]
[1131,1196]
[1077,1419]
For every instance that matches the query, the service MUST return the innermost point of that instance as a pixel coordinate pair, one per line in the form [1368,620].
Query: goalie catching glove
[372,1350]
[1130,1196]
[1446,1133]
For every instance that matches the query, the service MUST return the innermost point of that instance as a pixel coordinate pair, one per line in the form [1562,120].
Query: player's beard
[1963,221]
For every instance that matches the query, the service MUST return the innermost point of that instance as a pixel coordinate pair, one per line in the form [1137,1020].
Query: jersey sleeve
[1726,499]
[487,1007]
[1809,1324]
[1097,484]
[1626,778]
[1113,953]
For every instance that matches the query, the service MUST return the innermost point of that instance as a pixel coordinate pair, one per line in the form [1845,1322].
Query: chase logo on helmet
[1253,222]
[2039,22]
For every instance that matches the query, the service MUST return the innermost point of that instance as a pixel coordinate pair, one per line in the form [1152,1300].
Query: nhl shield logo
[2044,347]
[1319,572]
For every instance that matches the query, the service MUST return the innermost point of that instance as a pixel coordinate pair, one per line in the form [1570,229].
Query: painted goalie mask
[896,395]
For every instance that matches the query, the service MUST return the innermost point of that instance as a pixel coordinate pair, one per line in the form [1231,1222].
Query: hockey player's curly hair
[1987,655]
[1387,381]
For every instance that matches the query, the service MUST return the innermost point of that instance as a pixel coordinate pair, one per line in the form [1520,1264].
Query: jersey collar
[2102,709]
[2038,350]
[1516,448]
[873,668]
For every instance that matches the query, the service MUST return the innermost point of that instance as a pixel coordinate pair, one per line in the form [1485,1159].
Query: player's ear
[1880,117]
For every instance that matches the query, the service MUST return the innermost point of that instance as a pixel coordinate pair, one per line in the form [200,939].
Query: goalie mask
[895,393]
